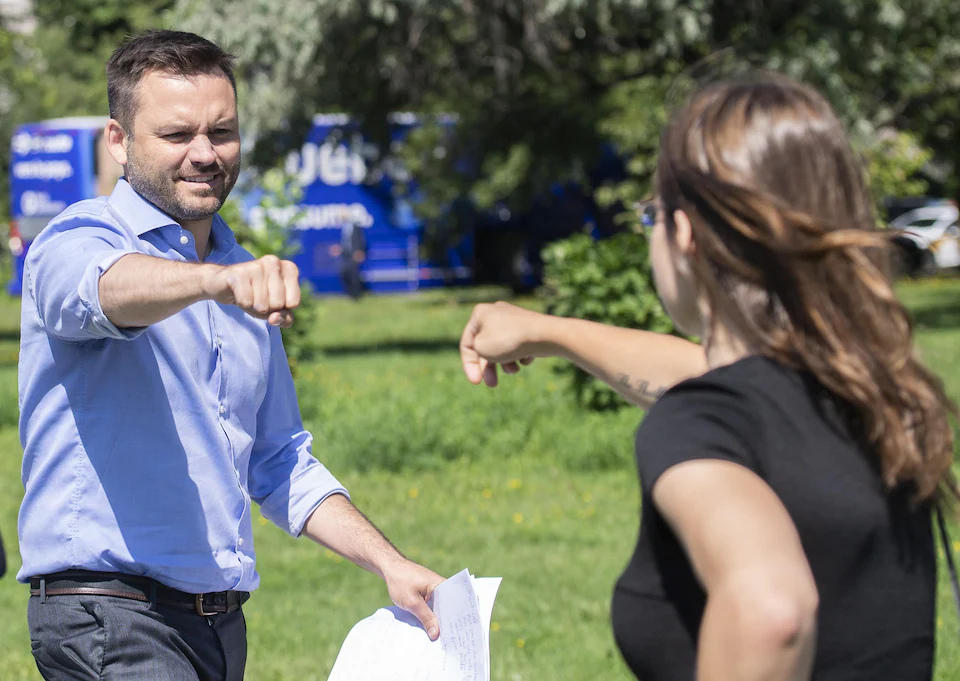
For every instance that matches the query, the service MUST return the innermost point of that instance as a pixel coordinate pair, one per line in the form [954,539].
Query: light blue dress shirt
[143,448]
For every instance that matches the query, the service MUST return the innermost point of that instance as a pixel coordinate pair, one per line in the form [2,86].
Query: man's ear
[117,140]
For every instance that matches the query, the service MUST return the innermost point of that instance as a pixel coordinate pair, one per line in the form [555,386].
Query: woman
[790,463]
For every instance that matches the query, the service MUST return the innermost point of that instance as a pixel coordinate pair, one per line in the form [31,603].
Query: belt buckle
[198,606]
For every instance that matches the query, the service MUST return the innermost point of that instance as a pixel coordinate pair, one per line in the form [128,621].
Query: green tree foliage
[23,97]
[539,87]
[894,163]
[58,69]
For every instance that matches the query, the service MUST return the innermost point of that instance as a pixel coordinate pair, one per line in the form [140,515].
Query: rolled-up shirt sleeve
[285,479]
[62,272]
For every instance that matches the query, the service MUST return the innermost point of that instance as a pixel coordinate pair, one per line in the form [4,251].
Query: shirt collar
[143,217]
[140,214]
[223,238]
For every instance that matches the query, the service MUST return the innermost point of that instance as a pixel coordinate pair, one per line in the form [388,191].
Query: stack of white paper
[391,644]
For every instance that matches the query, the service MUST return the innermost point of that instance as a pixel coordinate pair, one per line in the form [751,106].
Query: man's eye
[175,136]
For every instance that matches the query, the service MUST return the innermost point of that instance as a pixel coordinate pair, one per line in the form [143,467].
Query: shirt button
[240,541]
[184,239]
[223,409]
[219,343]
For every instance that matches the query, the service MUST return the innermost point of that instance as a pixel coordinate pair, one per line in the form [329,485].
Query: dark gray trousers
[118,639]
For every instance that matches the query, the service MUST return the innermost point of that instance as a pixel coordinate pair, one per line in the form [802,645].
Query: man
[352,251]
[156,400]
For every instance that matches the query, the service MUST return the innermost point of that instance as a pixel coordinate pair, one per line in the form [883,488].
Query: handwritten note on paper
[456,606]
[391,645]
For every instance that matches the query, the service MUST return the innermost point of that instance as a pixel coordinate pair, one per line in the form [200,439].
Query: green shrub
[606,281]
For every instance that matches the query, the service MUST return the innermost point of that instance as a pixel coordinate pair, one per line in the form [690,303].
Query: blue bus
[58,162]
[344,179]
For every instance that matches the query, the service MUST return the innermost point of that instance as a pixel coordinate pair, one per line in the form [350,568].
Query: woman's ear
[683,233]
[684,245]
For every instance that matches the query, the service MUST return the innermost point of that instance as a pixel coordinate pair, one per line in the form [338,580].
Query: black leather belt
[117,585]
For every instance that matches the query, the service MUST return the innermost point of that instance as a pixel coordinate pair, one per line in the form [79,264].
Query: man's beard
[161,189]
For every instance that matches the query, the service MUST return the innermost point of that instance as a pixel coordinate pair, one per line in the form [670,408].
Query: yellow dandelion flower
[514,484]
[413,493]
[263,521]
[518,518]
[328,553]
[956,546]
[495,626]
[521,643]
[939,623]
[587,497]
[487,493]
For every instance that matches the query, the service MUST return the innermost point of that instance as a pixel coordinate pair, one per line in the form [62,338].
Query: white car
[929,239]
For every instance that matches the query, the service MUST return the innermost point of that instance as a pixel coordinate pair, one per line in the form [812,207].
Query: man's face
[183,153]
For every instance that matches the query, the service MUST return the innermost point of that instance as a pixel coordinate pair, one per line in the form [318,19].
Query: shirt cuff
[96,322]
[291,505]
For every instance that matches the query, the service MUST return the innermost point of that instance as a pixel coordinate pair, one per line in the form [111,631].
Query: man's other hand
[410,587]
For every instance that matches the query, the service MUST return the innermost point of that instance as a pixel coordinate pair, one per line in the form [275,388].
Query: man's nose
[201,151]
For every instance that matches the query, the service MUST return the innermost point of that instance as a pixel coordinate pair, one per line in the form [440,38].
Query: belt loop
[43,589]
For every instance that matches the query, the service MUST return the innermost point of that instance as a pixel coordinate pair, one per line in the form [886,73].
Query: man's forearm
[140,290]
[640,365]
[340,526]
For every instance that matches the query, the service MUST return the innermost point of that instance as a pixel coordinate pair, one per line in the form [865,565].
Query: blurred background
[460,152]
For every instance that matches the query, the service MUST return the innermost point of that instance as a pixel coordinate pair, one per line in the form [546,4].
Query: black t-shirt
[871,551]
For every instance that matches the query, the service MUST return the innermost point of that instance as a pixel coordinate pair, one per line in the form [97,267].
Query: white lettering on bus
[333,164]
[327,216]
[39,203]
[24,143]
[42,170]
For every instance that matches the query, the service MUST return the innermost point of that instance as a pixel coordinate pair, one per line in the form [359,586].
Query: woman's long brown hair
[789,253]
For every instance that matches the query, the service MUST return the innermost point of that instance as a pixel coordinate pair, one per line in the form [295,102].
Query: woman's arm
[760,619]
[640,365]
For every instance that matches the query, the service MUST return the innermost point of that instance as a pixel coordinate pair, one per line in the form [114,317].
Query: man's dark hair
[175,52]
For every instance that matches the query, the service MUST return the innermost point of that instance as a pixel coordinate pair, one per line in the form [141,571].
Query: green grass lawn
[513,482]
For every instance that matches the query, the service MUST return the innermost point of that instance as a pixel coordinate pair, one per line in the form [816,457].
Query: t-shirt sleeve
[698,419]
